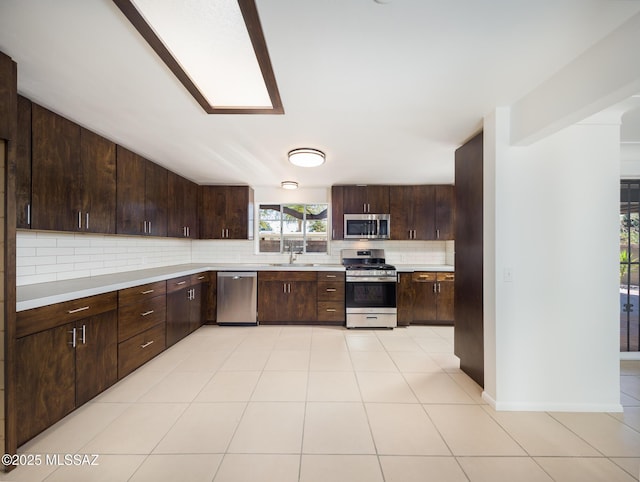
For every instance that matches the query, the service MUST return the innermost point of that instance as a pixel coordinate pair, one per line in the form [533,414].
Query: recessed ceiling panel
[215,48]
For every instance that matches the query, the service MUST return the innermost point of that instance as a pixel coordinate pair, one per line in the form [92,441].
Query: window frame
[304,222]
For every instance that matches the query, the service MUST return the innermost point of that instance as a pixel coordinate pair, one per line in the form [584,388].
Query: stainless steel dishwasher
[237,298]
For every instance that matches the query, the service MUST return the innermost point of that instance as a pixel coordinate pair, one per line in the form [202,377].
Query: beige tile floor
[293,403]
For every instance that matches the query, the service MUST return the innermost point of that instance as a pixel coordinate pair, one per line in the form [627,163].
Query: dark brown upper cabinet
[72,171]
[422,212]
[183,209]
[226,212]
[141,195]
[23,164]
[56,172]
[365,199]
[98,157]
[337,212]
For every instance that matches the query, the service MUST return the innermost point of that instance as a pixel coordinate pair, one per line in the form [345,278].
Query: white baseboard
[550,406]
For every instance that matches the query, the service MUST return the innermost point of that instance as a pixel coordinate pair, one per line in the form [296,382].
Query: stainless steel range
[370,289]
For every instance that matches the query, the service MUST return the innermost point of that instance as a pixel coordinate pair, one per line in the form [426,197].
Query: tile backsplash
[43,256]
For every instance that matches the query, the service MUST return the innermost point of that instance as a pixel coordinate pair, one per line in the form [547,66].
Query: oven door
[370,293]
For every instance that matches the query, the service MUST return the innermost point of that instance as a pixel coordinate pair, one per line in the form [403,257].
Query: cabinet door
[212,206]
[178,315]
[337,212]
[98,157]
[45,374]
[404,295]
[96,355]
[425,297]
[302,301]
[355,199]
[130,215]
[445,297]
[182,215]
[424,212]
[402,204]
[273,303]
[444,212]
[195,307]
[156,203]
[23,164]
[239,200]
[378,199]
[56,183]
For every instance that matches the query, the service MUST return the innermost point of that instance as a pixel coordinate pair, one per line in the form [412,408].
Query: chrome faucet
[292,253]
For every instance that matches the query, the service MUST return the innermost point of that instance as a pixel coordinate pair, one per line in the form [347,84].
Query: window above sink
[298,228]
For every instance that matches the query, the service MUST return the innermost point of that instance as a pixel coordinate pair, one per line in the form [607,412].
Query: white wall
[553,304]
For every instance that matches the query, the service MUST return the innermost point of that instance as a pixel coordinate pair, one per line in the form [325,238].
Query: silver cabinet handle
[438,287]
[434,287]
[331,276]
[146,313]
[146,292]
[200,277]
[149,227]
[144,345]
[331,310]
[29,214]
[145,228]
[372,317]
[179,283]
[73,338]
[331,290]
[77,310]
[84,334]
[79,219]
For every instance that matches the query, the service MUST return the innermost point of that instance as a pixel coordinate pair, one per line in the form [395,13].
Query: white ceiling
[388,91]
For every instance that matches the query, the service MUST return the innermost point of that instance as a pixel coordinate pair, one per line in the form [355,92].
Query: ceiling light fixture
[306,157]
[289,185]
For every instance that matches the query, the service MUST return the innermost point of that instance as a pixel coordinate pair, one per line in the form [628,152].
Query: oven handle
[371,279]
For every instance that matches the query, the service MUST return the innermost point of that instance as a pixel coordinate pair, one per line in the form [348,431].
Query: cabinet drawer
[177,284]
[446,276]
[423,277]
[286,276]
[199,278]
[45,317]
[140,293]
[330,291]
[331,311]
[139,349]
[136,318]
[334,276]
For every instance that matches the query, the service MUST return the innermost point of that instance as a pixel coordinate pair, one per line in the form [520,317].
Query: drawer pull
[331,310]
[78,310]
[200,277]
[181,283]
[146,292]
[146,313]
[331,290]
[146,344]
[331,276]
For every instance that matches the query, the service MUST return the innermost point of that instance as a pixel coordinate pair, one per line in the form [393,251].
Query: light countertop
[42,294]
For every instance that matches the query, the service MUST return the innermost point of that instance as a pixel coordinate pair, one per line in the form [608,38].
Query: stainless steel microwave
[367,226]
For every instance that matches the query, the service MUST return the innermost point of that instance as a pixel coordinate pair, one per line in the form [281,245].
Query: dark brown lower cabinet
[96,355]
[45,374]
[425,298]
[61,368]
[404,299]
[331,296]
[184,306]
[287,297]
